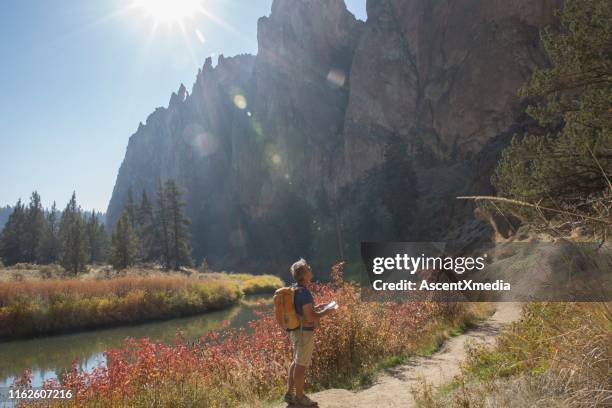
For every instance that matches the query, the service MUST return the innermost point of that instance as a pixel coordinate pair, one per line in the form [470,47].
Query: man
[302,337]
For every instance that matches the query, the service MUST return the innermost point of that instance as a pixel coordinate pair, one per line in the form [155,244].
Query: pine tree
[162,234]
[49,244]
[12,246]
[178,228]
[34,226]
[124,246]
[5,212]
[146,229]
[130,206]
[570,99]
[73,238]
[96,238]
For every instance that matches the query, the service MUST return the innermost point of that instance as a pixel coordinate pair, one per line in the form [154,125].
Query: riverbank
[245,368]
[33,307]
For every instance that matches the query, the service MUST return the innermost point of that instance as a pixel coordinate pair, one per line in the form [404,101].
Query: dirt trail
[393,387]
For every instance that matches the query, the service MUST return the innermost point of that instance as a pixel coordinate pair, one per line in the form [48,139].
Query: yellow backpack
[284,308]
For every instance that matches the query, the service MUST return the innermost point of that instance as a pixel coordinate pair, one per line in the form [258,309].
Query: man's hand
[318,309]
[314,313]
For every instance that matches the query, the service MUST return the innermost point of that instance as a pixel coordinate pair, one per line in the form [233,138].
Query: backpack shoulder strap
[300,317]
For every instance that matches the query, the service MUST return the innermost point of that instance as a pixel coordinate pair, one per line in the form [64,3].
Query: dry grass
[543,391]
[250,284]
[558,354]
[42,299]
[48,290]
[32,306]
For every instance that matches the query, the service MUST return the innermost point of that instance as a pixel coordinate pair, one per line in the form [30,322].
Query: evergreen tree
[179,249]
[146,229]
[162,234]
[130,207]
[124,246]
[12,246]
[96,238]
[571,100]
[73,238]
[398,188]
[5,212]
[34,226]
[49,244]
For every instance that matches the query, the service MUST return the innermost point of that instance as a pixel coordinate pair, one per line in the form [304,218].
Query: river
[48,357]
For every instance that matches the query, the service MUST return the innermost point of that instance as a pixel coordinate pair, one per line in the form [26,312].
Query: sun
[169,11]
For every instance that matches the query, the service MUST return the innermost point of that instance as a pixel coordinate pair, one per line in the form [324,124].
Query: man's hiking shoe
[289,398]
[304,401]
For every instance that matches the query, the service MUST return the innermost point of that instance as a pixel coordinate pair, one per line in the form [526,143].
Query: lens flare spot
[240,101]
[336,77]
[200,36]
[203,142]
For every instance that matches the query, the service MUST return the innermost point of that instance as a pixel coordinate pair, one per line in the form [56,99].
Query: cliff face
[299,97]
[447,72]
[443,76]
[267,146]
[191,142]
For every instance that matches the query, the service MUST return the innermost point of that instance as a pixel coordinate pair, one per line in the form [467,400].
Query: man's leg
[298,379]
[290,379]
[302,360]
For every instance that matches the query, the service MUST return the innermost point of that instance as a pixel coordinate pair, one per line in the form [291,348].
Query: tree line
[146,231]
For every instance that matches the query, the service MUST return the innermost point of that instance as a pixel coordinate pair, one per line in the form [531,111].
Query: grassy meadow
[40,301]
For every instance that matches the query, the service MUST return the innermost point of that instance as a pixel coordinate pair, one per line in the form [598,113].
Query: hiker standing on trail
[302,336]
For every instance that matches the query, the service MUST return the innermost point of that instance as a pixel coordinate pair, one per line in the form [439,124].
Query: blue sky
[77,77]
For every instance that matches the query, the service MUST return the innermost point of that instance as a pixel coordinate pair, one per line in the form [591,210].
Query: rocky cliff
[271,149]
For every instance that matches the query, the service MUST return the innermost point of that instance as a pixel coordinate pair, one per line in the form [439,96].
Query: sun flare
[169,11]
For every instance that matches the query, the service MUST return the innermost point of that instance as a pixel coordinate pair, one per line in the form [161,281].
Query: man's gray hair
[298,269]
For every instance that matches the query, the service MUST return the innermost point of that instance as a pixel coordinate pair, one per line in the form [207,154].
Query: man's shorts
[303,344]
